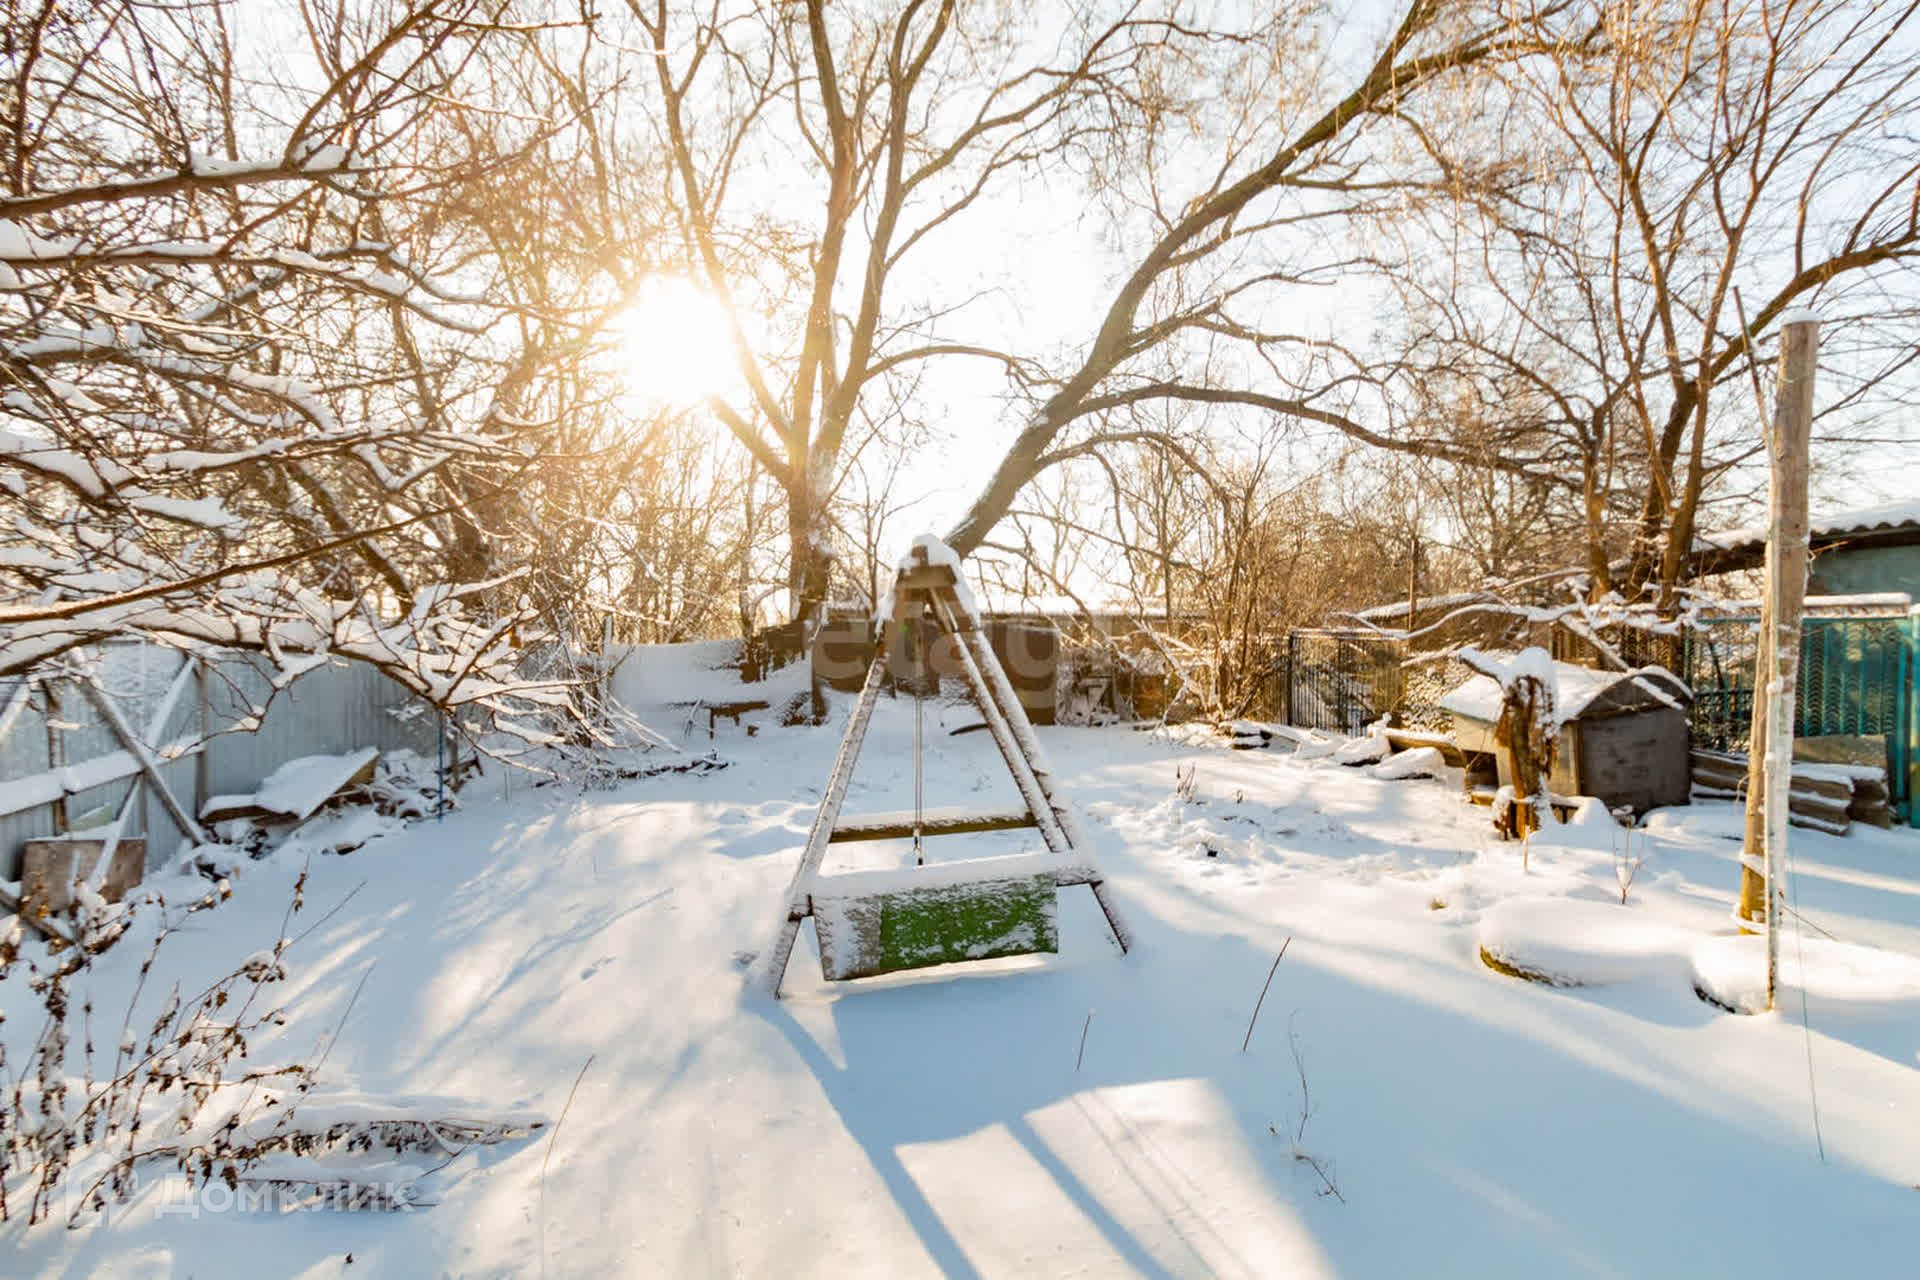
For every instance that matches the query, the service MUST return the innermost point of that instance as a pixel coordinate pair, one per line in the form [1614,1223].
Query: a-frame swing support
[928,586]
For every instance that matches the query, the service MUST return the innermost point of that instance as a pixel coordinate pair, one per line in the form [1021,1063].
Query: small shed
[1622,738]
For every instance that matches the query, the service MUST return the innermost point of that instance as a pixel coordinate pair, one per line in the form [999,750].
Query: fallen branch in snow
[333,1125]
[1322,1169]
[1273,969]
[283,1186]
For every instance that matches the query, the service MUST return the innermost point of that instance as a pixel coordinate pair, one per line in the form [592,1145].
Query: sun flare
[673,344]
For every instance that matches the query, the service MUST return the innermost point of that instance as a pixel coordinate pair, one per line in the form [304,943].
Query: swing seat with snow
[869,923]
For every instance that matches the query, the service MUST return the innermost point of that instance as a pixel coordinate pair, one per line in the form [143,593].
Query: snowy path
[1475,1125]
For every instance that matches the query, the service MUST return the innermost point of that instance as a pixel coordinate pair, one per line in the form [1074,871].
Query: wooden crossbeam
[932,822]
[143,758]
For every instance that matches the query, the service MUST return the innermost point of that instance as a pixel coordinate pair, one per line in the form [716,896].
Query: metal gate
[1341,680]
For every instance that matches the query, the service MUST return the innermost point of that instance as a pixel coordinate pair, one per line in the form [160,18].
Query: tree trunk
[809,577]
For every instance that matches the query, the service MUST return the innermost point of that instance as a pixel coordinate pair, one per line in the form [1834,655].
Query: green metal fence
[1856,677]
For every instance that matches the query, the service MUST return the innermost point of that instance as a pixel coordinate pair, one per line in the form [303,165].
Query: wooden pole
[143,757]
[1770,762]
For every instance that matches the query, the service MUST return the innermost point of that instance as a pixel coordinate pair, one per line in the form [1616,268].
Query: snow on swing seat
[874,922]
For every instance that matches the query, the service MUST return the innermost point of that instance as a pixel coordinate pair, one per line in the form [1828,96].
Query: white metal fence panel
[215,728]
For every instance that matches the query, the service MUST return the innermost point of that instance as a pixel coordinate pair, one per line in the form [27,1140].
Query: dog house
[1622,740]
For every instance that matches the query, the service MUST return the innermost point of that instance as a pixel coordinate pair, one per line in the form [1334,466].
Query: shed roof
[1580,691]
[1824,526]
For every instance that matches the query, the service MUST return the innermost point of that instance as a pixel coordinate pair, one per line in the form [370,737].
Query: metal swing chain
[919,795]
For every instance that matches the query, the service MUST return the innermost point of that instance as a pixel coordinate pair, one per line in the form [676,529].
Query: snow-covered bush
[246,403]
[82,1116]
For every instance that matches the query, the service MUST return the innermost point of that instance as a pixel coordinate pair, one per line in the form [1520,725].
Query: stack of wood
[1822,797]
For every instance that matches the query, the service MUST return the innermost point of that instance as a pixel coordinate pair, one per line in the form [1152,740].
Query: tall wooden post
[1776,672]
[203,729]
[56,750]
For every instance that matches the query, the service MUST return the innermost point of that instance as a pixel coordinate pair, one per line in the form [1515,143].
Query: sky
[1042,258]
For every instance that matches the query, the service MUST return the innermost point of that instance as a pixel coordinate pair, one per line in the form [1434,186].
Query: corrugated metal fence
[212,726]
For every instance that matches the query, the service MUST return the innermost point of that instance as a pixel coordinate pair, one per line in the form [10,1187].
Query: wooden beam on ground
[1408,739]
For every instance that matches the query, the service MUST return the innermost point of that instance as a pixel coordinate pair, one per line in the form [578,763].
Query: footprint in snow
[595,967]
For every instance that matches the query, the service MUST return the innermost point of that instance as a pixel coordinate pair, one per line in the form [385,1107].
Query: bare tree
[1706,167]
[1263,223]
[245,401]
[876,129]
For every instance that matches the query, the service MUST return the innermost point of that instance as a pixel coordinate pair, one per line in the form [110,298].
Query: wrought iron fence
[1343,681]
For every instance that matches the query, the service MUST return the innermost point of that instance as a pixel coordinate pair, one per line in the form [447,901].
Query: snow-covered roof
[1577,688]
[1398,609]
[1831,524]
[1865,603]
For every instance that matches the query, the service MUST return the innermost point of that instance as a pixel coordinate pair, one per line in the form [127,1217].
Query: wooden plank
[932,822]
[1408,739]
[143,757]
[799,906]
[49,869]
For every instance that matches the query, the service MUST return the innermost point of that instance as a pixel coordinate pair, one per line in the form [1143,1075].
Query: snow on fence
[203,727]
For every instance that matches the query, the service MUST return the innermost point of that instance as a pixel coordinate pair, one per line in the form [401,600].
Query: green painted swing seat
[875,922]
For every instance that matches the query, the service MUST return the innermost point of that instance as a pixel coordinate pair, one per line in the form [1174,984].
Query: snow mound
[1838,978]
[1415,762]
[1699,821]
[1307,745]
[1367,750]
[1576,942]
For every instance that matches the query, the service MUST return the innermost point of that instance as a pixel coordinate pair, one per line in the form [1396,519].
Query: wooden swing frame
[927,586]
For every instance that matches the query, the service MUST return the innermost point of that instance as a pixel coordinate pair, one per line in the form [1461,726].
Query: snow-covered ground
[580,956]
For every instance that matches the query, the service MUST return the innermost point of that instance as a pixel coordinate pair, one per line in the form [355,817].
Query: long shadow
[932,1062]
[882,1152]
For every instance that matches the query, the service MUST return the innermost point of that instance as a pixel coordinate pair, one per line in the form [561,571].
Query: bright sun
[673,344]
